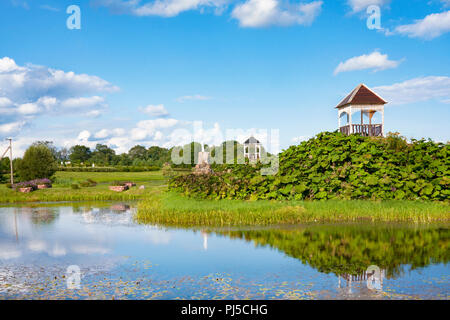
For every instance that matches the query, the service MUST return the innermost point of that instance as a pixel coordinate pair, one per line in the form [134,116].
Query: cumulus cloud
[163,8]
[362,5]
[430,27]
[11,128]
[375,61]
[30,91]
[261,13]
[155,110]
[416,90]
[195,97]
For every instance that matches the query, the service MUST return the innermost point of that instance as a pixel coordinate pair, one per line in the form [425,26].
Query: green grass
[171,209]
[103,177]
[62,191]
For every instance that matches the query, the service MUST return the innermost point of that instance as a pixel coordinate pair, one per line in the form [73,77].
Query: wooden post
[11,161]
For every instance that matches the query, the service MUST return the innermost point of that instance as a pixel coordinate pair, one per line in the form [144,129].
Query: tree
[79,153]
[49,145]
[102,154]
[38,162]
[138,152]
[157,155]
[4,169]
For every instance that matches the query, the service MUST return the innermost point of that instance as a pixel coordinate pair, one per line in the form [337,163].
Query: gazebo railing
[371,130]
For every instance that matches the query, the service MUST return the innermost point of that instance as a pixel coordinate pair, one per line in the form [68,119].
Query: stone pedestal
[118,188]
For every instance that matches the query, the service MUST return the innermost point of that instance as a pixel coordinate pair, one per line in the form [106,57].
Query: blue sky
[141,72]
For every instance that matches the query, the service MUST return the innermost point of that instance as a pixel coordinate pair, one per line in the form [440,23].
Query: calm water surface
[121,259]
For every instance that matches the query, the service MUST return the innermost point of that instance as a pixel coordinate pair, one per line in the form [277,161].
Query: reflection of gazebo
[252,149]
[367,102]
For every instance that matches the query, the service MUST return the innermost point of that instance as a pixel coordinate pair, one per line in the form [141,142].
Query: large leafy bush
[38,162]
[335,166]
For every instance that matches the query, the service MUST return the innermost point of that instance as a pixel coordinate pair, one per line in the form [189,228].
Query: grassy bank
[62,191]
[172,209]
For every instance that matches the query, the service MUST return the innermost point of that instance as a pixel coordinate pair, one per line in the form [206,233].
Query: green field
[62,191]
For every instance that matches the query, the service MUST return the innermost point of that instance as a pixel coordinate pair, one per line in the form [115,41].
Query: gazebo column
[339,120]
[382,121]
[350,120]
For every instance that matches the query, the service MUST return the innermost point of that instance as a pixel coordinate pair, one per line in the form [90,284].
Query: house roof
[251,140]
[362,95]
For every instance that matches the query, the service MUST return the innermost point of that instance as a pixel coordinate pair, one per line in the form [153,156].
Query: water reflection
[348,250]
[115,254]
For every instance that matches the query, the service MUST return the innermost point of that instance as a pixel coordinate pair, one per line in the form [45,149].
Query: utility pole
[10,159]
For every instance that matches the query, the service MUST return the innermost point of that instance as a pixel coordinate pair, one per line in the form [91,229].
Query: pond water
[43,247]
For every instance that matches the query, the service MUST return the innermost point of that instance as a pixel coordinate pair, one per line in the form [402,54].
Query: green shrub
[75,186]
[38,162]
[335,166]
[88,183]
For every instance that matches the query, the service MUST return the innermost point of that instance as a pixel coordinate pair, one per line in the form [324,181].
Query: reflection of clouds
[88,249]
[9,252]
[37,245]
[158,236]
[57,251]
[119,214]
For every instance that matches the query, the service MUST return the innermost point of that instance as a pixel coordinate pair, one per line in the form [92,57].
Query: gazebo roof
[362,95]
[251,140]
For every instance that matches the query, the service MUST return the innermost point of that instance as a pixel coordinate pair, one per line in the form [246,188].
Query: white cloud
[49,8]
[11,128]
[375,61]
[93,113]
[260,13]
[432,26]
[195,97]
[362,5]
[416,90]
[163,8]
[155,110]
[82,102]
[30,91]
[102,134]
[84,135]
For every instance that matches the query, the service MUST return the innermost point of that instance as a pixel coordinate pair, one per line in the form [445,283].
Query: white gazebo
[252,149]
[363,100]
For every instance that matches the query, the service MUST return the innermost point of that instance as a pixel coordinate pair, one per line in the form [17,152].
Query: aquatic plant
[173,209]
[335,166]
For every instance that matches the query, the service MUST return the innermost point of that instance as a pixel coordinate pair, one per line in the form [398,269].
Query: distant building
[252,149]
[363,100]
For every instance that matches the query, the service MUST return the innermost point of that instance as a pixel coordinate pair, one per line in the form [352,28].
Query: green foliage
[79,153]
[75,186]
[102,155]
[167,170]
[38,162]
[335,166]
[88,183]
[4,169]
